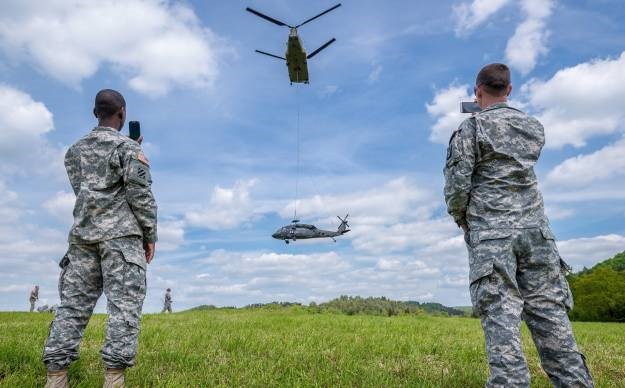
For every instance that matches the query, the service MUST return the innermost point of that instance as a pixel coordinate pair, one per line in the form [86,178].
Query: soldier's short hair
[108,102]
[169,289]
[494,78]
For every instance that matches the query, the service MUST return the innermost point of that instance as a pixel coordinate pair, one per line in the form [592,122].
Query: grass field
[293,347]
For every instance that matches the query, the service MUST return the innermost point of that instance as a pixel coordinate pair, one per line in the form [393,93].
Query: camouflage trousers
[116,267]
[32,305]
[518,274]
[166,307]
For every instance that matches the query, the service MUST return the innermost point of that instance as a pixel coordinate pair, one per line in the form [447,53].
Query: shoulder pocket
[139,172]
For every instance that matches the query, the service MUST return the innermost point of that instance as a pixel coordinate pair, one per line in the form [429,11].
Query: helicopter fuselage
[295,232]
[296,58]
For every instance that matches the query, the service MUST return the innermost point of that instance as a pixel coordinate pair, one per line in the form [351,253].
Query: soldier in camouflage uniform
[111,242]
[515,269]
[168,301]
[34,297]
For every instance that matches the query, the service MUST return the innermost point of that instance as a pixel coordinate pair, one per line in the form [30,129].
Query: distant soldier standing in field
[516,272]
[34,297]
[168,301]
[111,242]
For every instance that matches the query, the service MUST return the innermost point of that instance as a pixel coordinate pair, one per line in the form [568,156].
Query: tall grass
[293,347]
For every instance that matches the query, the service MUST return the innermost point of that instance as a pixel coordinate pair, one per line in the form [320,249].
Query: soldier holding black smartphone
[110,244]
[515,270]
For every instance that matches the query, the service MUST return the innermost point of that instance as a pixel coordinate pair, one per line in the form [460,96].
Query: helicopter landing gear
[333,239]
[287,242]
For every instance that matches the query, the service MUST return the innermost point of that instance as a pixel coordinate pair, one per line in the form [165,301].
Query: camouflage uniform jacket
[111,179]
[489,174]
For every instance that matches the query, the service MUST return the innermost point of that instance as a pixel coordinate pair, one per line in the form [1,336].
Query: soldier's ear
[95,113]
[508,90]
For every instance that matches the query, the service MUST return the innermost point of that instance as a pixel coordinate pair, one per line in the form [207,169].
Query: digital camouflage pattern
[168,301]
[489,173]
[114,215]
[34,296]
[116,267]
[111,180]
[515,270]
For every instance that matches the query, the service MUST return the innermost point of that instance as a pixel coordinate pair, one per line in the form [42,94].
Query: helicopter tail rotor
[315,17]
[344,227]
[321,48]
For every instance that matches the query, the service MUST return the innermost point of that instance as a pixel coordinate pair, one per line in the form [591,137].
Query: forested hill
[599,292]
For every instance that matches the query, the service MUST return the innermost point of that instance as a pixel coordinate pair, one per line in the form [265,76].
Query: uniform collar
[496,105]
[105,129]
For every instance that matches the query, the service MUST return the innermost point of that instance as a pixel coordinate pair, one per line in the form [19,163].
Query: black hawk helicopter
[296,58]
[299,231]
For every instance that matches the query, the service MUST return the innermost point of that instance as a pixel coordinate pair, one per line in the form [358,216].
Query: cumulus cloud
[529,41]
[24,123]
[582,170]
[170,235]
[226,209]
[588,251]
[445,108]
[469,16]
[156,45]
[61,206]
[580,102]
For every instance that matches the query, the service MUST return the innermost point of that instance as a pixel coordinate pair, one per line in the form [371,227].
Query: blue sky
[220,130]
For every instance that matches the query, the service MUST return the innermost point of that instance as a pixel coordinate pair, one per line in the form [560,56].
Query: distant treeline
[356,305]
[599,292]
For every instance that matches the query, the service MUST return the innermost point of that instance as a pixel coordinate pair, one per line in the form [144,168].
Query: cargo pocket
[64,264]
[134,284]
[485,246]
[564,285]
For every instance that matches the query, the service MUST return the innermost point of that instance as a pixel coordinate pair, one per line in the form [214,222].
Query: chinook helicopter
[299,231]
[295,57]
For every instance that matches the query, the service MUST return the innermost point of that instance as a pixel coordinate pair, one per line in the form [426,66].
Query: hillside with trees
[599,292]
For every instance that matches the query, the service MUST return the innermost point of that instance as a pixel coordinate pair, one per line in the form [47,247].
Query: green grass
[293,347]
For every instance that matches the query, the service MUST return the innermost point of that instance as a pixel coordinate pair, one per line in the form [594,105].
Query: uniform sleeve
[138,184]
[72,166]
[459,170]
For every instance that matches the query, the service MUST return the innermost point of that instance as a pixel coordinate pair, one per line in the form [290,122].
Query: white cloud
[23,125]
[530,37]
[61,206]
[227,208]
[580,102]
[583,170]
[445,108]
[157,45]
[469,16]
[588,251]
[170,235]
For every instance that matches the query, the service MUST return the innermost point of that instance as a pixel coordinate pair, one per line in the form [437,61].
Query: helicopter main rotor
[282,24]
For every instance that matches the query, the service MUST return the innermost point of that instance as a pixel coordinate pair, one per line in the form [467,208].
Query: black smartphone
[469,107]
[134,130]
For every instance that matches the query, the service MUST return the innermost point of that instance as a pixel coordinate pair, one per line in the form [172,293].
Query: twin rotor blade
[321,48]
[268,18]
[278,22]
[271,55]
[321,14]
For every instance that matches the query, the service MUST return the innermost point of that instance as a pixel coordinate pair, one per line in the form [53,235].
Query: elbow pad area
[139,173]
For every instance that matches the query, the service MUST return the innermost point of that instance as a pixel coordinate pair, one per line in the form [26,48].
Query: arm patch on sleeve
[139,173]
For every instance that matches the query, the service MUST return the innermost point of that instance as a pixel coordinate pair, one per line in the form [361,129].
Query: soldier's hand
[140,139]
[149,248]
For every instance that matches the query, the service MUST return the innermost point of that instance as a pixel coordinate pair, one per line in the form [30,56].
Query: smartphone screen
[469,107]
[134,130]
